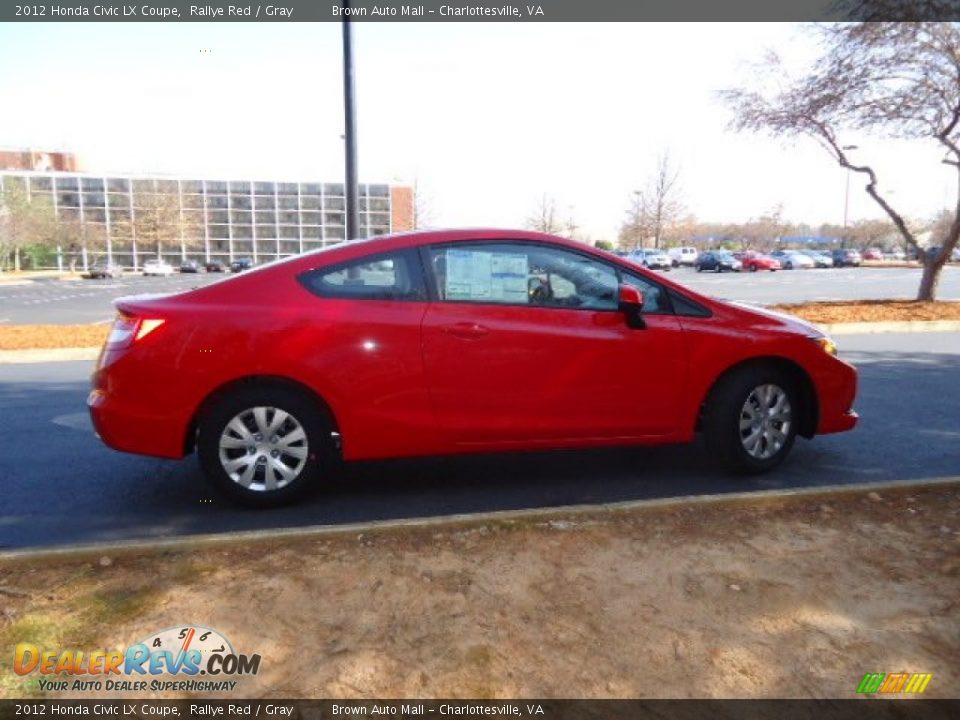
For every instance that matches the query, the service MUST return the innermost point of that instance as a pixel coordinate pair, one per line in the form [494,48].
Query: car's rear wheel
[753,268]
[264,446]
[751,419]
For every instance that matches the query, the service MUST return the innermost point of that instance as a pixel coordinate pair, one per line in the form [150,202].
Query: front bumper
[836,386]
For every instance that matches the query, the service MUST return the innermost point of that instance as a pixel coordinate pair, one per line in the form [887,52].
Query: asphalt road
[60,485]
[86,301]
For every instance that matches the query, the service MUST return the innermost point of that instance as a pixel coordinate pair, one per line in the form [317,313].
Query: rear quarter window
[396,276]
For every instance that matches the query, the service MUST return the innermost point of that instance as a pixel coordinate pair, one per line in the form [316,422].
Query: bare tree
[898,80]
[657,208]
[635,228]
[422,207]
[873,233]
[158,220]
[545,218]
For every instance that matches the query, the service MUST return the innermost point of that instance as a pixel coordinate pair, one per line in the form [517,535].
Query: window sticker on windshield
[487,276]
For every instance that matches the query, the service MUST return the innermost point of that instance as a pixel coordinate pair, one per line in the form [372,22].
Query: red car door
[524,344]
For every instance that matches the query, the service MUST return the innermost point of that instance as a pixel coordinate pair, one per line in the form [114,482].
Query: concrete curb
[8,357]
[892,326]
[313,532]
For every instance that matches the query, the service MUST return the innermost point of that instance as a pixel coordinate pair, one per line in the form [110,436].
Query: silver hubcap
[765,421]
[263,448]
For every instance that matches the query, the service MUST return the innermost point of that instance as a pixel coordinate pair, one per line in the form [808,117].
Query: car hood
[789,323]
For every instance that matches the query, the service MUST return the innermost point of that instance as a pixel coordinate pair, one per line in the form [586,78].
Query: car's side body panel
[539,374]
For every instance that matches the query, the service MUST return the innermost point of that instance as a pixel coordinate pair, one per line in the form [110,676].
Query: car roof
[416,238]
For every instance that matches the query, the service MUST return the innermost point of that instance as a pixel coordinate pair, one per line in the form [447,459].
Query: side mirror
[631,305]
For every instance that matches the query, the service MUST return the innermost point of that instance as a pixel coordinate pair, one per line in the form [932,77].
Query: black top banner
[483,11]
[198,709]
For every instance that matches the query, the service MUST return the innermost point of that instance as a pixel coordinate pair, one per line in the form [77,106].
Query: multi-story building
[215,219]
[40,160]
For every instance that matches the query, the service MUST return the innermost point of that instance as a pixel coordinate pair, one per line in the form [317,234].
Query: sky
[485,118]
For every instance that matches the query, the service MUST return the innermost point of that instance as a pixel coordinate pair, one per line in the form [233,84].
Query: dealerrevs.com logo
[189,658]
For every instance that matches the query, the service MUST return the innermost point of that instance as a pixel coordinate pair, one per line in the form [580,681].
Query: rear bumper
[128,429]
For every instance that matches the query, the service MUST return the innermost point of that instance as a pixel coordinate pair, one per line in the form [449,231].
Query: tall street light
[846,200]
[350,128]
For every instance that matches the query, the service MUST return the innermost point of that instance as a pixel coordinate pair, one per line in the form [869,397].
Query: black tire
[699,268]
[753,268]
[321,454]
[724,410]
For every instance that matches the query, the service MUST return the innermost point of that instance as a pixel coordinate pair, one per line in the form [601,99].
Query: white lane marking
[74,421]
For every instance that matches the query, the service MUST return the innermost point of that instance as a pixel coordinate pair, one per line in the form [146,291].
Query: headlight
[826,344]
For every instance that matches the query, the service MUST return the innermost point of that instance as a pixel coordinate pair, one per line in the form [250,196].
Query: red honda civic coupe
[454,341]
[754,261]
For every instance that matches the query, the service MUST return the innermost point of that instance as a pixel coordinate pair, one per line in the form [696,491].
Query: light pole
[351,189]
[846,201]
[637,199]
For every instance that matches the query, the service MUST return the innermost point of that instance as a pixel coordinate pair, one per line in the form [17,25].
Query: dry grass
[872,311]
[43,337]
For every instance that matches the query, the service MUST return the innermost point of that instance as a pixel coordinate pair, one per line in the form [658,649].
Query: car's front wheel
[263,446]
[751,418]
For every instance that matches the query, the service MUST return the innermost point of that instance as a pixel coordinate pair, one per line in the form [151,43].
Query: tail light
[128,329]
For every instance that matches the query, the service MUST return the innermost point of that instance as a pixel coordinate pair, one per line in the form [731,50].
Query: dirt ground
[795,597]
[36,337]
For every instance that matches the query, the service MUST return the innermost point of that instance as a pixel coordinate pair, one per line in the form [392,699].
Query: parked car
[651,258]
[214,266]
[105,269]
[872,254]
[820,259]
[792,259]
[718,261]
[846,257]
[754,261]
[895,254]
[682,256]
[432,343]
[157,267]
[241,264]
[936,250]
[191,266]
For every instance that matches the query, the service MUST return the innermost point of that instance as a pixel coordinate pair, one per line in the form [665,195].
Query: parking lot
[61,485]
[90,301]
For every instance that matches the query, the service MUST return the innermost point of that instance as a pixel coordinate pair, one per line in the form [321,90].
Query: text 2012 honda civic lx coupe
[450,342]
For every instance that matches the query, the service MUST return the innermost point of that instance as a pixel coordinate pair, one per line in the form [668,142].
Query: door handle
[465,330]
